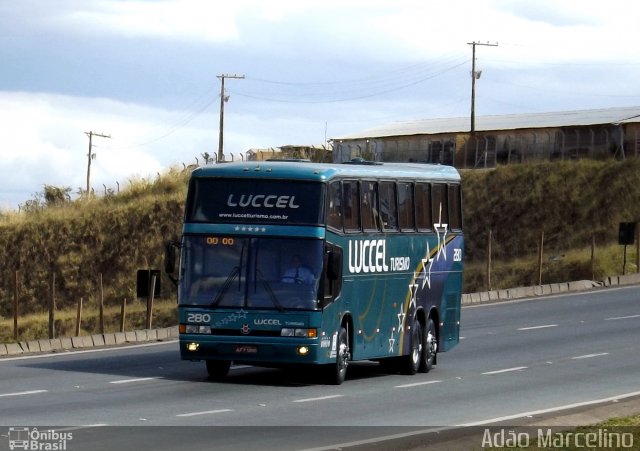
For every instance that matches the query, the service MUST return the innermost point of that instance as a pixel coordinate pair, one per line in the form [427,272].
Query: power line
[351,90]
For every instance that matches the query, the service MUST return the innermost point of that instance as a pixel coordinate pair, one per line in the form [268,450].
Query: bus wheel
[338,371]
[411,362]
[218,369]
[429,348]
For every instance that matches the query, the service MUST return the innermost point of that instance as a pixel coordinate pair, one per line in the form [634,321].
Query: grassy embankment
[573,203]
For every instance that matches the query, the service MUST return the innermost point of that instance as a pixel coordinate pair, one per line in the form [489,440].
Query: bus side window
[370,220]
[455,210]
[388,207]
[423,206]
[334,207]
[406,207]
[351,205]
[439,204]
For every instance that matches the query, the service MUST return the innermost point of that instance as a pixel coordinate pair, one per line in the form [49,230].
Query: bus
[298,263]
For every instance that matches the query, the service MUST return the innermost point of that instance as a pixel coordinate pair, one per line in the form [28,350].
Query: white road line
[615,398]
[588,356]
[615,318]
[506,370]
[139,379]
[322,398]
[538,327]
[20,393]
[206,412]
[416,384]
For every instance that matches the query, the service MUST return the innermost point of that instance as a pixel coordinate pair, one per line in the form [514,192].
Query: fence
[540,259]
[53,311]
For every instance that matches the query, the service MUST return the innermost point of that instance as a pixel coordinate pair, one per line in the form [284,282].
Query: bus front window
[265,273]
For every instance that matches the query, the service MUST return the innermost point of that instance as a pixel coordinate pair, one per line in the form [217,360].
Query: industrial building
[500,139]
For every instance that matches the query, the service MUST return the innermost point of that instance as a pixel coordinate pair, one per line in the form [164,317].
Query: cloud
[44,141]
[176,19]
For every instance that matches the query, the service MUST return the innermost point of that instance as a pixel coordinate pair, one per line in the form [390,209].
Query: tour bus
[297,263]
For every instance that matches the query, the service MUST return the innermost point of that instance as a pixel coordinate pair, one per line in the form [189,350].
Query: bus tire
[429,347]
[218,369]
[338,370]
[411,362]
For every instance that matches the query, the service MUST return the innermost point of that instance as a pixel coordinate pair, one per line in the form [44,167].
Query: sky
[146,74]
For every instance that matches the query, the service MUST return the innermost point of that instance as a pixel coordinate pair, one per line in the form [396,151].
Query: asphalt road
[516,360]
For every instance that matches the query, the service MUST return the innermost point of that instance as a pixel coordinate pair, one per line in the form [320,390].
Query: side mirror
[170,254]
[334,265]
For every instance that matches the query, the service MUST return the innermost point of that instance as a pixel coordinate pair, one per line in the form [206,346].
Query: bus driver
[298,273]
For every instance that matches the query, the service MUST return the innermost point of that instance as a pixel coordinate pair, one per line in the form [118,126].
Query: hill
[573,202]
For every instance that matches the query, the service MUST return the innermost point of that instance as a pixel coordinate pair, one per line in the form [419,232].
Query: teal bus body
[385,283]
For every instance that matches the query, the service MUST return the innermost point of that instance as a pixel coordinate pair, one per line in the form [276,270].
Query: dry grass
[35,326]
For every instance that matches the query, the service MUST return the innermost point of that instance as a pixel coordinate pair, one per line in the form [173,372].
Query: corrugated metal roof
[502,122]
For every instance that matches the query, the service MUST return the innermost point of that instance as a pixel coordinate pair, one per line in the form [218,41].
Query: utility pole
[474,76]
[223,99]
[91,156]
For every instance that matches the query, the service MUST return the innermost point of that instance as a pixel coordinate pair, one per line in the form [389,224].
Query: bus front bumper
[265,351]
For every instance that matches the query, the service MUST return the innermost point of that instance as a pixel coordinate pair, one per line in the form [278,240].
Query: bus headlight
[303,350]
[300,333]
[196,329]
[192,346]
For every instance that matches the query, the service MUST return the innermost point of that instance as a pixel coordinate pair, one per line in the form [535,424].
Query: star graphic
[442,246]
[392,342]
[413,289]
[427,263]
[242,314]
[401,316]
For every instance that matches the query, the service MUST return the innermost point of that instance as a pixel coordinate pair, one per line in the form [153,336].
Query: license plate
[242,349]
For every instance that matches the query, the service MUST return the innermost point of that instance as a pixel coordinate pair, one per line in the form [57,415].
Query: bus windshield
[239,272]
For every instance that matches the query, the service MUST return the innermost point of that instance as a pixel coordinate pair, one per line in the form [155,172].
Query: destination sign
[224,200]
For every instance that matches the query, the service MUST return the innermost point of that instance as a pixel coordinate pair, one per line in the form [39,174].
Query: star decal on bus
[413,289]
[401,316]
[442,241]
[392,343]
[427,263]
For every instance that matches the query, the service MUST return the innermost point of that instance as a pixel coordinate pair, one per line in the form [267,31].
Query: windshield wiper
[268,289]
[227,283]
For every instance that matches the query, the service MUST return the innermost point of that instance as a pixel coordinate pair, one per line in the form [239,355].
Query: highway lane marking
[382,438]
[538,327]
[321,398]
[415,384]
[533,413]
[506,370]
[138,379]
[206,412]
[616,318]
[588,356]
[20,393]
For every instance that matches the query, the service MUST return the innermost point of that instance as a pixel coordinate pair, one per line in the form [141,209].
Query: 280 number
[198,318]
